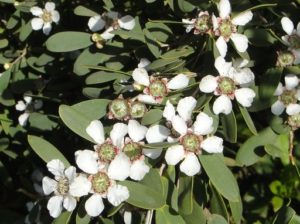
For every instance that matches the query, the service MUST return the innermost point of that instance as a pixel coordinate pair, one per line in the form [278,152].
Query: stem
[291,147]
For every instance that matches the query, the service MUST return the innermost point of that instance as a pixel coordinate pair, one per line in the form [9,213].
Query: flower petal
[70,173]
[86,160]
[221,46]
[293,109]
[185,107]
[213,144]
[190,165]
[119,168]
[240,41]
[96,131]
[23,118]
[277,108]
[55,205]
[21,106]
[49,6]
[140,76]
[107,35]
[94,205]
[147,99]
[56,167]
[179,125]
[36,11]
[169,111]
[222,66]
[291,81]
[138,169]
[37,23]
[224,8]
[243,76]
[80,186]
[203,124]
[96,23]
[222,105]
[279,90]
[174,154]
[116,194]
[55,16]
[243,18]
[157,133]
[245,96]
[180,81]
[49,185]
[287,25]
[69,203]
[143,63]
[208,84]
[127,217]
[136,131]
[47,28]
[126,22]
[118,133]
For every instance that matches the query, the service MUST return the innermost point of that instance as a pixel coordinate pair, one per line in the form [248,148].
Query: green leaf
[229,127]
[220,176]
[83,11]
[64,218]
[160,31]
[3,43]
[166,215]
[284,216]
[216,219]
[269,82]
[182,51]
[217,204]
[143,196]
[101,77]
[45,150]
[79,116]
[25,31]
[185,194]
[4,80]
[152,43]
[260,37]
[236,211]
[197,216]
[153,180]
[248,120]
[68,41]
[152,116]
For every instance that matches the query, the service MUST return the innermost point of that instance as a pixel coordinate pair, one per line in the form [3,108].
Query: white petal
[245,96]
[37,23]
[119,168]
[157,133]
[86,160]
[277,108]
[80,186]
[224,8]
[293,109]
[96,23]
[23,118]
[55,205]
[116,194]
[118,133]
[298,94]
[291,81]
[136,131]
[243,76]
[147,99]
[94,205]
[36,11]
[152,153]
[208,84]
[55,16]
[49,6]
[279,90]
[138,170]
[190,165]
[70,173]
[169,111]
[126,22]
[185,107]
[143,63]
[47,28]
[28,99]
[222,105]
[240,41]
[140,76]
[20,106]
[296,53]
[49,185]
[69,203]
[179,125]
[243,18]
[56,167]
[127,217]
[222,66]
[214,22]
[213,144]
[96,131]
[221,46]
[180,81]
[287,25]
[203,124]
[107,35]
[174,154]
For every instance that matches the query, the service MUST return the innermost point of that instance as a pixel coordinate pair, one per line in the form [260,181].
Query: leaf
[197,216]
[220,176]
[248,120]
[229,127]
[260,37]
[152,43]
[185,194]
[64,218]
[160,31]
[45,150]
[83,11]
[236,211]
[166,215]
[68,41]
[284,216]
[183,51]
[4,80]
[25,31]
[102,77]
[269,82]
[216,219]
[153,179]
[217,204]
[246,155]
[143,196]
[152,116]
[3,43]
[79,116]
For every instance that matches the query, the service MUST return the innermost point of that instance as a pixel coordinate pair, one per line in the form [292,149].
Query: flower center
[226,28]
[285,58]
[203,23]
[106,152]
[294,41]
[100,182]
[287,97]
[294,121]
[119,108]
[47,16]
[158,89]
[191,143]
[226,86]
[138,109]
[133,150]
[63,185]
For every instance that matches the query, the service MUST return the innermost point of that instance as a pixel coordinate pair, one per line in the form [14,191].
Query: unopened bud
[7,66]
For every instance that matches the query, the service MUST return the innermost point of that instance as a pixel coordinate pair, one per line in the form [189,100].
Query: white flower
[156,88]
[191,139]
[27,105]
[292,39]
[288,96]
[232,82]
[110,21]
[201,24]
[65,185]
[45,17]
[226,28]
